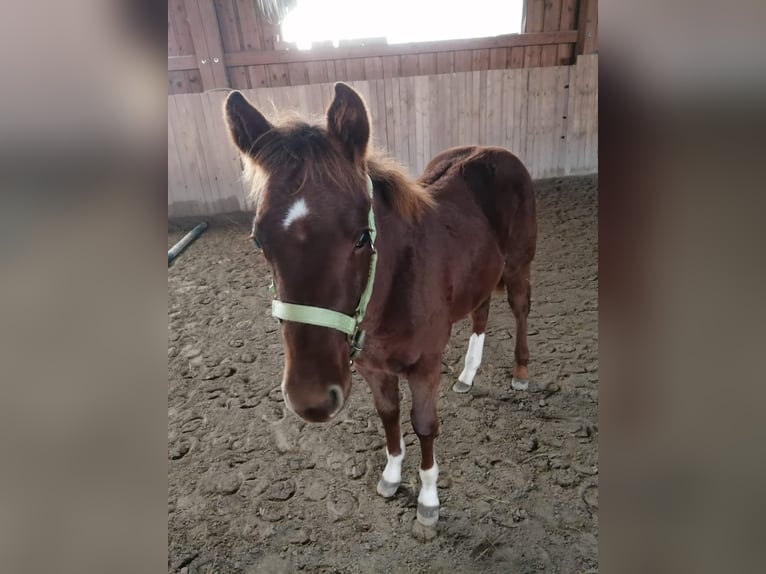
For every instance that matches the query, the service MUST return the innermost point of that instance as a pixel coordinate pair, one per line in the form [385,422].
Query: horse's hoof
[387,489]
[519,384]
[423,533]
[427,515]
[461,387]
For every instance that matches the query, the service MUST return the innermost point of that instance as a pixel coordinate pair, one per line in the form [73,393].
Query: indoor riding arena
[254,488]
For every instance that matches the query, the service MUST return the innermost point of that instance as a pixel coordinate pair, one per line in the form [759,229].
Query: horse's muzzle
[318,413]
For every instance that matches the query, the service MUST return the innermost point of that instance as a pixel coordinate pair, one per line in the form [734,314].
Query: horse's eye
[363,240]
[256,242]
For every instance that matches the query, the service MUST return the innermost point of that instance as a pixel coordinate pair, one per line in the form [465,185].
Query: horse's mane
[406,196]
[308,148]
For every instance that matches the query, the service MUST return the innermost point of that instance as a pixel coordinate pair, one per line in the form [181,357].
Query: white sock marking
[472,358]
[393,471]
[428,495]
[297,210]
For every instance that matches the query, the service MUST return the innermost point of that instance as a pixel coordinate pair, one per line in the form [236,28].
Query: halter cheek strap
[321,317]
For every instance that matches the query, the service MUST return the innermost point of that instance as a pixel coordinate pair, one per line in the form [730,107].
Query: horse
[371,268]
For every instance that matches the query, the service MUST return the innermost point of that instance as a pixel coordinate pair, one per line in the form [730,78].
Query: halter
[321,317]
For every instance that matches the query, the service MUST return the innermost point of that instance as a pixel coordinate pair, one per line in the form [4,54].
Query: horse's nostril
[336,399]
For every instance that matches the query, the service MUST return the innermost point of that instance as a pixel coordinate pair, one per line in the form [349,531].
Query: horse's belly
[471,291]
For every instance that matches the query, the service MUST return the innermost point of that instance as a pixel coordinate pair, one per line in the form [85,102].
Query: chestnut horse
[356,247]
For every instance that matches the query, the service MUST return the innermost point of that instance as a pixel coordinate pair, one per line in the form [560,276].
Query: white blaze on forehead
[297,210]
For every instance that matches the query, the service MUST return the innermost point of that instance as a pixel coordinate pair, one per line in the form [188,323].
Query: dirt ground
[251,488]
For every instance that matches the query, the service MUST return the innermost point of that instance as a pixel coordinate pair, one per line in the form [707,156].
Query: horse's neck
[394,240]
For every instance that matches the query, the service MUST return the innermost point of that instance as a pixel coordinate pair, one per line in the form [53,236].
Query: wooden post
[587,27]
[208,48]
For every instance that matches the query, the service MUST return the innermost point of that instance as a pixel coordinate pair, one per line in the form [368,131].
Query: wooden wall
[545,115]
[228,43]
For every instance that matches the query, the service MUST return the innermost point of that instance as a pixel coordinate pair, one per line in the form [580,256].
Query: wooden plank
[177,81]
[463,61]
[410,65]
[248,25]
[516,58]
[355,69]
[551,23]
[587,27]
[267,31]
[331,74]
[568,22]
[533,98]
[176,184]
[463,101]
[498,58]
[388,86]
[232,41]
[446,104]
[381,117]
[590,163]
[373,68]
[316,72]
[533,22]
[226,159]
[445,62]
[408,100]
[521,111]
[400,145]
[479,60]
[208,48]
[392,67]
[183,45]
[182,63]
[432,111]
[417,133]
[249,31]
[495,117]
[561,117]
[185,136]
[212,31]
[206,156]
[250,58]
[278,75]
[579,117]
[482,119]
[475,117]
[296,74]
[259,76]
[341,75]
[426,64]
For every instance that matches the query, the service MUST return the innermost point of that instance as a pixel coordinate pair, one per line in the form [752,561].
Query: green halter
[322,317]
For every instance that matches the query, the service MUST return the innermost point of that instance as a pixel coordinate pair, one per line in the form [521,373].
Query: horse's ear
[246,124]
[348,123]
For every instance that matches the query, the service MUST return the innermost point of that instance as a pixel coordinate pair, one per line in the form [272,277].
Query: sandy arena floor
[251,488]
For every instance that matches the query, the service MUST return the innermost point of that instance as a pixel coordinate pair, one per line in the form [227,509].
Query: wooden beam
[178,63]
[587,28]
[254,58]
[208,48]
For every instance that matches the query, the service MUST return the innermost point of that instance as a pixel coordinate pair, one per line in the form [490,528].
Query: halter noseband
[321,317]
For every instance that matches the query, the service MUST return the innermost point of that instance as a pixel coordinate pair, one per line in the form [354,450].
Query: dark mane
[298,146]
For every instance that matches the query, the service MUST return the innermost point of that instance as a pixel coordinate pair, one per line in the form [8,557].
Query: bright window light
[399,21]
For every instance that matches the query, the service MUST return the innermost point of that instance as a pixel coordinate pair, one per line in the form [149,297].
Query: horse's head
[311,222]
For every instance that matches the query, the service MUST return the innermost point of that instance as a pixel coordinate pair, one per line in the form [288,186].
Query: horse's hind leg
[519,290]
[475,348]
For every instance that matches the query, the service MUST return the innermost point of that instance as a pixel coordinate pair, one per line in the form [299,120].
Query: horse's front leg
[424,386]
[385,392]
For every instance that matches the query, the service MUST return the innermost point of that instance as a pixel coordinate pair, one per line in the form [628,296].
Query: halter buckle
[357,343]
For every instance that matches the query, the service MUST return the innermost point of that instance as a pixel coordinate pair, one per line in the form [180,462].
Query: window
[399,21]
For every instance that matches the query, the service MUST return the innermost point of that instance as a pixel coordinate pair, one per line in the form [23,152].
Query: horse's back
[498,182]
